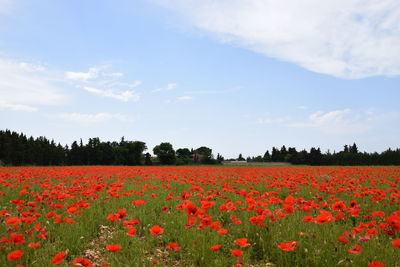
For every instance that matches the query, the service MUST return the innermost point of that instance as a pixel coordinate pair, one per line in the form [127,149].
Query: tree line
[16,149]
[350,155]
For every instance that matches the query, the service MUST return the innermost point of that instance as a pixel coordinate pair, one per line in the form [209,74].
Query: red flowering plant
[218,216]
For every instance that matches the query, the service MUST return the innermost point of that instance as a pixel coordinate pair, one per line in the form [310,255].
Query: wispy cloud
[124,96]
[169,87]
[302,107]
[344,121]
[92,73]
[113,74]
[94,118]
[185,98]
[24,86]
[97,80]
[30,67]
[133,84]
[17,107]
[343,38]
[180,99]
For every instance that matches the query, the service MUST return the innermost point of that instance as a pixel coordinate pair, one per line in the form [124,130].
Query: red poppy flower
[82,262]
[215,225]
[376,264]
[222,231]
[237,253]
[396,243]
[288,209]
[343,239]
[34,245]
[113,247]
[356,249]
[378,214]
[69,220]
[156,230]
[308,219]
[112,217]
[138,202]
[215,247]
[173,246]
[121,214]
[17,238]
[164,209]
[339,216]
[191,209]
[324,217]
[242,242]
[58,258]
[12,220]
[288,246]
[340,205]
[129,224]
[42,235]
[15,255]
[131,232]
[206,220]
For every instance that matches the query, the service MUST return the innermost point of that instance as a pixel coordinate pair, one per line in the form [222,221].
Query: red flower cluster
[226,204]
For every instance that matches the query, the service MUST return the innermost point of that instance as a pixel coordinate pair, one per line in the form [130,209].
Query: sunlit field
[200,216]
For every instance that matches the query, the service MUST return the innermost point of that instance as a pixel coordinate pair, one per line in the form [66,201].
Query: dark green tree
[267,156]
[165,153]
[183,156]
[147,159]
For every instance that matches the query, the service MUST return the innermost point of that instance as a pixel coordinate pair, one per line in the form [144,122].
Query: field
[200,216]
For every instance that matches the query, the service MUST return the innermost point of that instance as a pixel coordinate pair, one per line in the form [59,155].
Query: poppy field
[200,216]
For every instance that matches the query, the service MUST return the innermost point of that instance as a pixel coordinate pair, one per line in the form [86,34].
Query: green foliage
[17,149]
[165,153]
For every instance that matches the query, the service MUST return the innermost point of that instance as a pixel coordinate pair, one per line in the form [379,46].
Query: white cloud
[343,38]
[31,67]
[94,118]
[302,107]
[23,85]
[185,98]
[17,107]
[133,84]
[113,74]
[169,87]
[344,121]
[124,96]
[179,99]
[83,76]
[96,78]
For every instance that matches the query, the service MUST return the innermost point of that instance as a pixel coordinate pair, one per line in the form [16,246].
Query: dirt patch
[97,252]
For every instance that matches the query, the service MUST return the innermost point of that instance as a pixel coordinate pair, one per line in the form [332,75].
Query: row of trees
[18,149]
[350,155]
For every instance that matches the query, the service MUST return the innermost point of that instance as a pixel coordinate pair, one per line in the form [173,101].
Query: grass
[109,189]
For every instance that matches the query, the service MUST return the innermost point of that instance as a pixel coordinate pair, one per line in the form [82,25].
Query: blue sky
[236,76]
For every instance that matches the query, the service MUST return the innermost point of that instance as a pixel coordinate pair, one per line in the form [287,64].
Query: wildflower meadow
[200,216]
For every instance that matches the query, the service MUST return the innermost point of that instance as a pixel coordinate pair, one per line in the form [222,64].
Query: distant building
[197,157]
